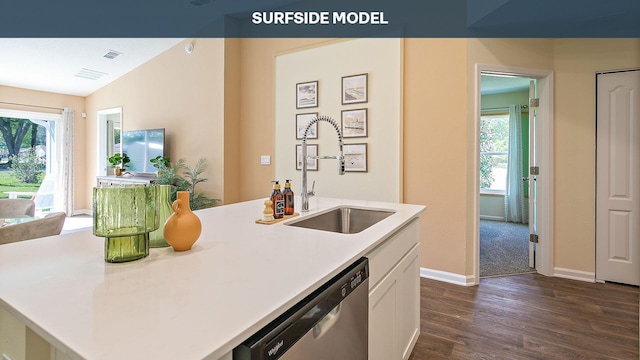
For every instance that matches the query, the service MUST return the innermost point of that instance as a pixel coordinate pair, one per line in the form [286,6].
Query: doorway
[537,186]
[109,137]
[504,168]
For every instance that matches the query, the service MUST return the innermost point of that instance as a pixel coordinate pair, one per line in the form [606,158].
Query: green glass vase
[125,215]
[156,238]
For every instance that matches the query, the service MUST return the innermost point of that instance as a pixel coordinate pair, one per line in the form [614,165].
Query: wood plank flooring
[528,316]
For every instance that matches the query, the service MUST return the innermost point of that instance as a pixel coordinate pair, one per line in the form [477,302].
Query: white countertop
[197,304]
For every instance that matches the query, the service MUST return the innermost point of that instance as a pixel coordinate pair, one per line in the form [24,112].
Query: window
[494,151]
[32,138]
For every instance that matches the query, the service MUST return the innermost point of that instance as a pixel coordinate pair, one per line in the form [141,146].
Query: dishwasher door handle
[327,322]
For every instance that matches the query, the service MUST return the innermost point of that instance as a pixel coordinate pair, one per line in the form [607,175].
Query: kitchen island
[197,304]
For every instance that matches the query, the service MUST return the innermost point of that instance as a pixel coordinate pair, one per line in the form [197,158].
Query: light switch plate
[265,160]
[5,357]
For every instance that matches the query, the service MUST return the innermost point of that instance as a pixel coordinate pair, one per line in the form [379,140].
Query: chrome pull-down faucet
[340,157]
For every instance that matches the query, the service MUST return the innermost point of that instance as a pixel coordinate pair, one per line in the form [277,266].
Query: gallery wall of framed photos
[361,92]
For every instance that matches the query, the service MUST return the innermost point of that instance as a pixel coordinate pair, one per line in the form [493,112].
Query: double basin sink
[343,219]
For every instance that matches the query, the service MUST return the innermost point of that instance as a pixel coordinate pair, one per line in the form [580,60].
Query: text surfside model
[319,18]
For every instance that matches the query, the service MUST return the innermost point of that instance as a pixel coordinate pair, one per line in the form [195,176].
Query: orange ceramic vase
[183,227]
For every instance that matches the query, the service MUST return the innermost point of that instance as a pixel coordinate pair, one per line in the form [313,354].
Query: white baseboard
[574,274]
[463,280]
[83,212]
[452,278]
[493,218]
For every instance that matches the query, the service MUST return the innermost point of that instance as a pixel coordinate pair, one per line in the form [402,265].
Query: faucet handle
[313,186]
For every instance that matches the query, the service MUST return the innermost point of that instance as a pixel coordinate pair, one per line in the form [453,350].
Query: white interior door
[618,177]
[533,108]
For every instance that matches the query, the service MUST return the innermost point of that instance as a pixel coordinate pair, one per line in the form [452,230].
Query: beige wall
[185,94]
[435,160]
[257,112]
[232,134]
[46,102]
[575,63]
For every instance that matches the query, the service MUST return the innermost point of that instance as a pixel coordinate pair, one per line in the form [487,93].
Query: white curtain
[514,202]
[65,184]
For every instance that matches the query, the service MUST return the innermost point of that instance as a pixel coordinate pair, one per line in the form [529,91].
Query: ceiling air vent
[90,74]
[112,54]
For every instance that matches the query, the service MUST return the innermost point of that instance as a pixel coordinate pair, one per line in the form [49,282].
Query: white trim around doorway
[544,255]
[101,139]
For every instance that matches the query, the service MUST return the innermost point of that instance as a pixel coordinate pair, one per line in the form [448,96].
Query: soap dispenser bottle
[277,200]
[288,198]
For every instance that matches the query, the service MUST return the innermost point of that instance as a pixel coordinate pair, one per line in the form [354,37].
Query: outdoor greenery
[183,178]
[8,182]
[20,171]
[16,134]
[494,137]
[28,167]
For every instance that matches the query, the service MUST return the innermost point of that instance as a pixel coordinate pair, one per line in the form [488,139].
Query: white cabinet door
[394,310]
[409,310]
[382,315]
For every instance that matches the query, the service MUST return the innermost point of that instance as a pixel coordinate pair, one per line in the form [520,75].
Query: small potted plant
[118,162]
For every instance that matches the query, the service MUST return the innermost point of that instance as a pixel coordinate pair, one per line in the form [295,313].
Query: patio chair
[16,208]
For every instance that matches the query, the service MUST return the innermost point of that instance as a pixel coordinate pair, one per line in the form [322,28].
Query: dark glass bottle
[288,198]
[277,200]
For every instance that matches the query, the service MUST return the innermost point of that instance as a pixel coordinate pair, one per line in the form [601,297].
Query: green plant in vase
[118,162]
[182,177]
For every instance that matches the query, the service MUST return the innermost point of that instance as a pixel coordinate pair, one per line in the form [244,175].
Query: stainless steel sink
[344,219]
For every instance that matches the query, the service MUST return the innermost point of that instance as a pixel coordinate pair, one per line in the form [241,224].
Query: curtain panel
[515,206]
[65,173]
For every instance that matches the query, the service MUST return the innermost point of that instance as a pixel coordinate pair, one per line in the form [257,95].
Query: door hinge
[533,238]
[534,170]
[534,103]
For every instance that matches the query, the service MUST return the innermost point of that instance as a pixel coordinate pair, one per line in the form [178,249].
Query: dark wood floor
[528,317]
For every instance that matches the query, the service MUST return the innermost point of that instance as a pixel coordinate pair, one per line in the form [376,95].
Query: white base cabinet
[394,295]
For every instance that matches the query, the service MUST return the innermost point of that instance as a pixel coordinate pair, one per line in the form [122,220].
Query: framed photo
[312,150]
[355,157]
[307,95]
[354,89]
[354,123]
[302,120]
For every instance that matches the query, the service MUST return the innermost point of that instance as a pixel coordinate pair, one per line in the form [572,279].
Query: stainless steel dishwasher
[331,323]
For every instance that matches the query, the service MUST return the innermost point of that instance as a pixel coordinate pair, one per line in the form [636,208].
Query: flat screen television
[142,146]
